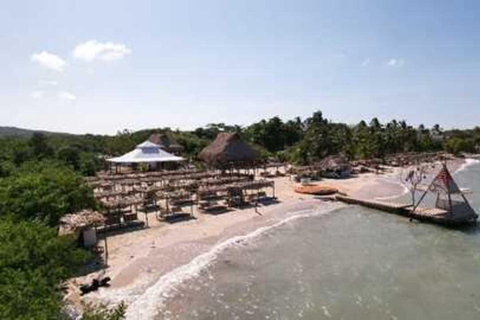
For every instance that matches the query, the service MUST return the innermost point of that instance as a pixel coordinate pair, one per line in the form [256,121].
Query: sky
[103,66]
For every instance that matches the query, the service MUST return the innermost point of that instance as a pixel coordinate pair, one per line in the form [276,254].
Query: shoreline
[149,263]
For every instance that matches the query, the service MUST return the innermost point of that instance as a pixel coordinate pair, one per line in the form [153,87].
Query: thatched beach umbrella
[336,166]
[166,142]
[228,150]
[72,223]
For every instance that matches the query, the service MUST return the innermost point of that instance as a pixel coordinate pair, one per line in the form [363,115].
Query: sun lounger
[130,217]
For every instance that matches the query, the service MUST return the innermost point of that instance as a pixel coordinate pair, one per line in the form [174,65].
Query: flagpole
[450,200]
[415,206]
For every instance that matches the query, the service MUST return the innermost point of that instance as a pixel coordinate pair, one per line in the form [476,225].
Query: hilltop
[24,133]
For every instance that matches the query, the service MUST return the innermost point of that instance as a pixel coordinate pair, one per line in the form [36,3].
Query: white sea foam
[468,163]
[397,195]
[151,302]
[395,182]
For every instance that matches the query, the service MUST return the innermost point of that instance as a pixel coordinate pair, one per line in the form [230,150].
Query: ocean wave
[151,302]
[468,163]
[397,195]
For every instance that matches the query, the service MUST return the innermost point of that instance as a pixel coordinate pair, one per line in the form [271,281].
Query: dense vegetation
[33,262]
[43,191]
[41,180]
[316,137]
[296,140]
[36,190]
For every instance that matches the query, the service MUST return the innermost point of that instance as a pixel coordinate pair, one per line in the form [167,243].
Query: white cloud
[37,95]
[49,60]
[365,62]
[66,96]
[394,62]
[106,51]
[47,83]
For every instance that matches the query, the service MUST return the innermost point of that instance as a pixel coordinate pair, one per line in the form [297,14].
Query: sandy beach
[138,257]
[142,262]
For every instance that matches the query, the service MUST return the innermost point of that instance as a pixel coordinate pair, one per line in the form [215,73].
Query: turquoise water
[353,263]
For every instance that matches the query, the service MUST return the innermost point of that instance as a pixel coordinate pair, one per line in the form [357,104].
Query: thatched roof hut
[336,166]
[75,222]
[166,142]
[228,149]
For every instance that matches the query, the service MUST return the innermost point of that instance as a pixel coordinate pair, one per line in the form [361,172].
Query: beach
[138,257]
[147,265]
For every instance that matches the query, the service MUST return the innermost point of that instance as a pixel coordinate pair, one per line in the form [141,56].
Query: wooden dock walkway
[392,207]
[433,215]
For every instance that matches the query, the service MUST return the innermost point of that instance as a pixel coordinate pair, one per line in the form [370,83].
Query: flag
[444,182]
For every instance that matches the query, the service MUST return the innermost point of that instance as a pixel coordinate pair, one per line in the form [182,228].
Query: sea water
[350,263]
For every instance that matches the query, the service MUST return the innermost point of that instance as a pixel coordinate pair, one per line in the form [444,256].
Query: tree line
[297,140]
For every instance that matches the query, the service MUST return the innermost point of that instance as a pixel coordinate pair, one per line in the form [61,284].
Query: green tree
[70,156]
[317,141]
[104,313]
[456,145]
[40,147]
[45,191]
[293,131]
[6,168]
[33,263]
[89,163]
[21,153]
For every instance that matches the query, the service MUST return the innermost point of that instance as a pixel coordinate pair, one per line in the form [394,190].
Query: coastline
[146,265]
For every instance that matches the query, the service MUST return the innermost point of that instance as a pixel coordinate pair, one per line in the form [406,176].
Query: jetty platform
[432,215]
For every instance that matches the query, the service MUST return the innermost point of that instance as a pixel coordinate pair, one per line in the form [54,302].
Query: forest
[298,141]
[41,180]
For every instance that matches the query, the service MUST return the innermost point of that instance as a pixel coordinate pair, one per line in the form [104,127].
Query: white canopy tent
[146,152]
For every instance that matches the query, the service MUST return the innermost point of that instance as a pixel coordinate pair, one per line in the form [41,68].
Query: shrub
[44,191]
[33,263]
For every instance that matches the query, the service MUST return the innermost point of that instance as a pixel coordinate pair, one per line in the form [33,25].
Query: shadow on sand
[178,217]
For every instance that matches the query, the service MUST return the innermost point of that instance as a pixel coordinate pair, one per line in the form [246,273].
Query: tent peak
[147,144]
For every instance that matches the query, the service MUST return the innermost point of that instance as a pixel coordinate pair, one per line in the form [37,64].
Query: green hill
[24,133]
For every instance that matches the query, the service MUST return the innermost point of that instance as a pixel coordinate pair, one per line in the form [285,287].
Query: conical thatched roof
[335,163]
[228,148]
[166,142]
[70,223]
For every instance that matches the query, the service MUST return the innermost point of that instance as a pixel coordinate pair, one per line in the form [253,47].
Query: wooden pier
[433,215]
[391,207]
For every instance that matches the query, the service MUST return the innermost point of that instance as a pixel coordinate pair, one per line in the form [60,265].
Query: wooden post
[450,201]
[166,205]
[465,199]
[415,206]
[106,248]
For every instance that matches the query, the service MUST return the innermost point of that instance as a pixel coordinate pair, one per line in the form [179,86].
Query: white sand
[137,259]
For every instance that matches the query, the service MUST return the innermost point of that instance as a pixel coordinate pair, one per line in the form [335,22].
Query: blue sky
[102,66]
